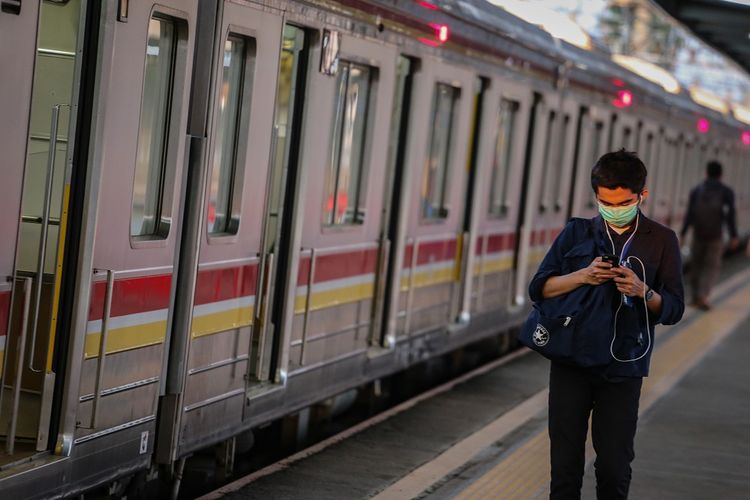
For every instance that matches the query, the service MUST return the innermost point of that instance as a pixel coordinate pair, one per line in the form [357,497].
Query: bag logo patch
[541,335]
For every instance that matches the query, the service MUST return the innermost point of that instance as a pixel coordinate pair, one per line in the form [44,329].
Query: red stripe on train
[432,251]
[496,243]
[132,295]
[335,266]
[215,285]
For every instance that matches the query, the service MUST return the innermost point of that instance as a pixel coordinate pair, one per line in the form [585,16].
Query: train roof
[493,31]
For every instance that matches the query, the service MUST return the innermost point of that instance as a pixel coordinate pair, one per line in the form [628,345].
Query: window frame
[171,137]
[242,130]
[443,210]
[328,219]
[514,106]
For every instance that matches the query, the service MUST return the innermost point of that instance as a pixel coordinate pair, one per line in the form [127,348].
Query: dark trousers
[705,264]
[574,394]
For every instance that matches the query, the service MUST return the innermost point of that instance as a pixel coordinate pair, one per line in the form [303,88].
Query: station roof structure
[723,24]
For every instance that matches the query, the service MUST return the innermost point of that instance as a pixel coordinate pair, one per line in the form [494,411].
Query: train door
[499,172]
[227,338]
[625,133]
[594,130]
[430,273]
[37,89]
[648,153]
[547,183]
[392,224]
[281,195]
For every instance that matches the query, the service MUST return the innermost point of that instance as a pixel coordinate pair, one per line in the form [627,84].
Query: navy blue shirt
[580,242]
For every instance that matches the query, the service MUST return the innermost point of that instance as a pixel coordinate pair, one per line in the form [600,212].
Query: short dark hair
[713,169]
[621,169]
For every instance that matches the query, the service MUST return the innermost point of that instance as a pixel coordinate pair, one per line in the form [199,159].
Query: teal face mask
[619,216]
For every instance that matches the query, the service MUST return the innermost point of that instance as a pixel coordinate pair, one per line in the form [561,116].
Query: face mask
[619,216]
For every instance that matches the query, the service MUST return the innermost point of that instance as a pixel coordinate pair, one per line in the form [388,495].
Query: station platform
[484,435]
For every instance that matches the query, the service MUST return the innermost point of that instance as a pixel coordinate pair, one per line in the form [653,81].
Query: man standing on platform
[616,277]
[711,206]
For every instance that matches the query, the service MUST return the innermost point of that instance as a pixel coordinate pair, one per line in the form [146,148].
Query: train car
[221,212]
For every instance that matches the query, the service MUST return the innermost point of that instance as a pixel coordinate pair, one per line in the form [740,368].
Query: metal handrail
[10,442]
[377,311]
[308,295]
[102,348]
[410,292]
[6,350]
[43,234]
[480,292]
[265,312]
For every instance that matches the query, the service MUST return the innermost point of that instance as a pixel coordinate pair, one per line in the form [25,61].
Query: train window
[626,133]
[550,144]
[596,144]
[435,176]
[501,162]
[554,157]
[226,168]
[346,173]
[151,166]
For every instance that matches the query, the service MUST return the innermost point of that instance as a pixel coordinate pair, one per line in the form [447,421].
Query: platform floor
[486,437]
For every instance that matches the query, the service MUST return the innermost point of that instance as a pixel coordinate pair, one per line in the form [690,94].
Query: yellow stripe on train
[126,338]
[209,324]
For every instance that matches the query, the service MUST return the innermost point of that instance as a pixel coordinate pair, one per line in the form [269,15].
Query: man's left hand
[628,282]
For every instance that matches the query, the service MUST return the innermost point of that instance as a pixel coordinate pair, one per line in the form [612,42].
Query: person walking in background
[711,205]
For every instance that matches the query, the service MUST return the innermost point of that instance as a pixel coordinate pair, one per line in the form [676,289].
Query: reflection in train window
[226,165]
[501,161]
[346,173]
[153,132]
[434,177]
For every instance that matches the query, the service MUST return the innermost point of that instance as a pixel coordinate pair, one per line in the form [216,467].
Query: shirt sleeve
[669,276]
[689,213]
[552,263]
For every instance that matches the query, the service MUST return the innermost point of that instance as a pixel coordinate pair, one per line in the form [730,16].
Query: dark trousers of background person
[574,394]
[705,263]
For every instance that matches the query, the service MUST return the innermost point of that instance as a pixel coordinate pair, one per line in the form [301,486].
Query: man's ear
[644,195]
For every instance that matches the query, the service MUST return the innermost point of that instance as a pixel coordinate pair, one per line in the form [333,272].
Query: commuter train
[221,212]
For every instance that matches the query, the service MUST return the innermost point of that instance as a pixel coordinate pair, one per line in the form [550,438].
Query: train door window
[346,173]
[596,144]
[291,70]
[549,145]
[501,161]
[150,217]
[226,169]
[554,157]
[626,134]
[435,174]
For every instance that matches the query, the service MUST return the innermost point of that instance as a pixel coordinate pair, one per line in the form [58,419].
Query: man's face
[618,197]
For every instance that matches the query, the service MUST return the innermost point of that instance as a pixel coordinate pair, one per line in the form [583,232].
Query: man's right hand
[597,273]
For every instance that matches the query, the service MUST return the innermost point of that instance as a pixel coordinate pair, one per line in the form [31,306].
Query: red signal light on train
[703,125]
[624,99]
[745,137]
[442,34]
[427,5]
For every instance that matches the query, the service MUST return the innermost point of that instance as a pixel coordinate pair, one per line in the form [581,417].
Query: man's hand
[628,282]
[597,272]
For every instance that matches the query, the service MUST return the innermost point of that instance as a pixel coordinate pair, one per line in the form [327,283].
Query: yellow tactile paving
[524,474]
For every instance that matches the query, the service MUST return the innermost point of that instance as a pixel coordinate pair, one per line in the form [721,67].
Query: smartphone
[610,258]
